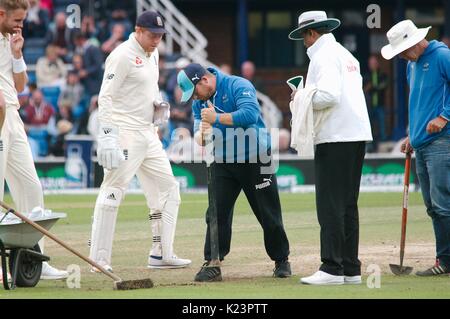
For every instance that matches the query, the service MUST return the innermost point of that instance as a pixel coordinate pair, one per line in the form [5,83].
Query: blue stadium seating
[32,54]
[51,94]
[31,77]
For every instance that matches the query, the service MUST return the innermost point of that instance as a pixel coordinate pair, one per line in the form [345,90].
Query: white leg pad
[169,214]
[104,224]
[155,218]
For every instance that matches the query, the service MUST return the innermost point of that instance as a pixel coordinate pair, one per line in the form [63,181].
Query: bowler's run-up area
[246,271]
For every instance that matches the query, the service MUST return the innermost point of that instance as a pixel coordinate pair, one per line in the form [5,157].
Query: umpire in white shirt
[339,147]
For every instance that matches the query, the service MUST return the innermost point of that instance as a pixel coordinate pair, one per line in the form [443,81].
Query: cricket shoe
[282,269]
[157,262]
[352,280]
[208,273]
[51,273]
[323,278]
[108,268]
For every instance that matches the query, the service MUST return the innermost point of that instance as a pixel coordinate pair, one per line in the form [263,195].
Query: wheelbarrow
[19,248]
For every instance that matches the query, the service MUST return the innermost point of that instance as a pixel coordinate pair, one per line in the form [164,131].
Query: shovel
[119,284]
[400,269]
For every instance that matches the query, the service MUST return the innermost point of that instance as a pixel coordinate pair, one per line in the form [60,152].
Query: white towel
[305,121]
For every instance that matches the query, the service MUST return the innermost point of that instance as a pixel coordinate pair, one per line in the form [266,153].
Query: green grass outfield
[247,270]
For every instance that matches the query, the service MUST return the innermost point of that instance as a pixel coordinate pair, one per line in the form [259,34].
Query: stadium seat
[35,43]
[51,95]
[40,137]
[32,54]
[31,77]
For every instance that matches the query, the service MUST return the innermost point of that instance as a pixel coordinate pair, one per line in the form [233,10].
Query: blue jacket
[429,96]
[248,137]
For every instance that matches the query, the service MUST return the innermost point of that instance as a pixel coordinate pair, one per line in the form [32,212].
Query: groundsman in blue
[226,107]
[428,77]
[240,132]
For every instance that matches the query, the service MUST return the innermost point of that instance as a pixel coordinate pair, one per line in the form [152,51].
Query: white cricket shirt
[130,85]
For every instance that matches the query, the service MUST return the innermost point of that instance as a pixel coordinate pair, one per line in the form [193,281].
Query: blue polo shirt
[247,140]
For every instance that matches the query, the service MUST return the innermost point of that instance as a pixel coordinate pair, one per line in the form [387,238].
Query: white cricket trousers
[146,159]
[17,165]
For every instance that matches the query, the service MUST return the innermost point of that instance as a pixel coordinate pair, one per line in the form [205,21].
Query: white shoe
[352,280]
[51,273]
[323,278]
[106,267]
[157,262]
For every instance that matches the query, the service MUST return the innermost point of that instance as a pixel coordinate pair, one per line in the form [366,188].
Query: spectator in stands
[284,142]
[61,36]
[376,83]
[92,72]
[121,16]
[38,112]
[102,29]
[24,98]
[77,63]
[72,92]
[248,71]
[36,117]
[58,127]
[50,69]
[116,38]
[92,126]
[47,5]
[88,27]
[180,113]
[164,73]
[446,40]
[57,145]
[226,68]
[37,21]
[180,64]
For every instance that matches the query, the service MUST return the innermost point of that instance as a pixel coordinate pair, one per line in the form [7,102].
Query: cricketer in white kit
[16,161]
[128,144]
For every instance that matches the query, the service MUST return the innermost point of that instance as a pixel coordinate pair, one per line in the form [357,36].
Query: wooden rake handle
[60,242]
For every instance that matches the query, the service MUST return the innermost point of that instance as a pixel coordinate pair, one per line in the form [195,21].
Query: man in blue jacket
[428,76]
[226,106]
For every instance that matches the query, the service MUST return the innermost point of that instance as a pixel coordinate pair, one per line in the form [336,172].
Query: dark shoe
[436,270]
[282,269]
[208,273]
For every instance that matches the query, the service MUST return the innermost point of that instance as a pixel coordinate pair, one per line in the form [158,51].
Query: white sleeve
[328,84]
[116,70]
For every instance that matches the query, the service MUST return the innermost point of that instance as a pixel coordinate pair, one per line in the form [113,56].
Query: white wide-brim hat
[313,20]
[401,37]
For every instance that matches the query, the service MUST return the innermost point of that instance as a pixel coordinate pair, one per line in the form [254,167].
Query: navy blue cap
[188,78]
[152,21]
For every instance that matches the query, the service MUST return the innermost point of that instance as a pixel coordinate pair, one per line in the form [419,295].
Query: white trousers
[146,159]
[17,165]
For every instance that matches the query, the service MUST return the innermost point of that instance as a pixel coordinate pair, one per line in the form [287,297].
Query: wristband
[217,121]
[19,65]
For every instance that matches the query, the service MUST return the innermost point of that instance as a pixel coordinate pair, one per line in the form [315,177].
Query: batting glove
[109,154]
